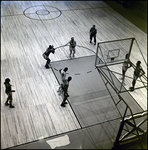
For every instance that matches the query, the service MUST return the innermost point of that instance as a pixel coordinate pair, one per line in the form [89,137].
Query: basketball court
[89,98]
[101,112]
[92,105]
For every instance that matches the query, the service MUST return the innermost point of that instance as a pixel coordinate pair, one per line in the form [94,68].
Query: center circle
[42,12]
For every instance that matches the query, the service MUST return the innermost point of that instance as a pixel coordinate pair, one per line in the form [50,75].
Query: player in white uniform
[63,77]
[72,46]
[126,64]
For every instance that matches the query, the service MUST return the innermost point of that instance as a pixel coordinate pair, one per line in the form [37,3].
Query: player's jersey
[93,31]
[72,44]
[48,51]
[63,75]
[138,70]
[8,87]
[125,65]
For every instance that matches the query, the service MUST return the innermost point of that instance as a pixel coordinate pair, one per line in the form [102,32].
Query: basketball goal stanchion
[111,53]
[127,112]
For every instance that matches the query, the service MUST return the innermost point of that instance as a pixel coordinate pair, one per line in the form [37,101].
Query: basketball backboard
[112,52]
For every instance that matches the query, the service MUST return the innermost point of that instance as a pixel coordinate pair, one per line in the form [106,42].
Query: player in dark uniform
[137,74]
[8,91]
[93,32]
[49,50]
[65,91]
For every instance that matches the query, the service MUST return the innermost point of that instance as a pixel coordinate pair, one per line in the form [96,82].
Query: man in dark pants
[65,91]
[93,32]
[8,91]
[137,74]
[49,50]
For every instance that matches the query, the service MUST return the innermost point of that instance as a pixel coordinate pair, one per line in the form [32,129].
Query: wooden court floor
[89,97]
[27,29]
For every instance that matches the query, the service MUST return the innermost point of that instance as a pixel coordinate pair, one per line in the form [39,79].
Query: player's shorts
[45,57]
[72,49]
[135,77]
[9,95]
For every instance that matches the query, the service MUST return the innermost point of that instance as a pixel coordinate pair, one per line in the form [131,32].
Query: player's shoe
[63,105]
[131,88]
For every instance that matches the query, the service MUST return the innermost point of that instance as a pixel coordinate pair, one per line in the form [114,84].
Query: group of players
[51,49]
[63,89]
[72,45]
[138,72]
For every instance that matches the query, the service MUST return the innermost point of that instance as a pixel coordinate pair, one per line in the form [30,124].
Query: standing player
[49,50]
[72,46]
[92,33]
[137,74]
[65,91]
[126,64]
[8,91]
[63,77]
